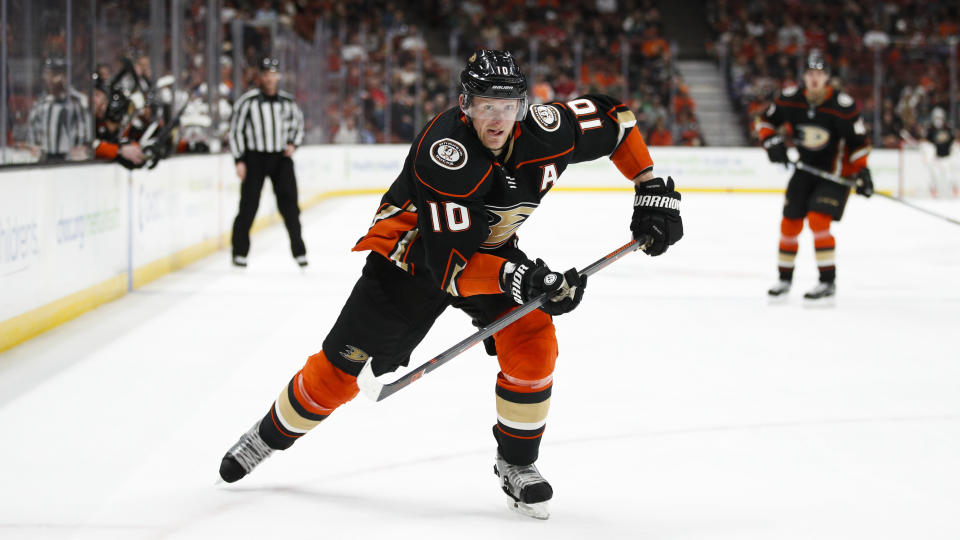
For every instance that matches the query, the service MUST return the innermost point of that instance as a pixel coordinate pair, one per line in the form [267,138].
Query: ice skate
[528,491]
[779,291]
[301,261]
[243,456]
[822,294]
[240,261]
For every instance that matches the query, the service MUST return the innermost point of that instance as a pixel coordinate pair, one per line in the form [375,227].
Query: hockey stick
[153,137]
[853,184]
[377,390]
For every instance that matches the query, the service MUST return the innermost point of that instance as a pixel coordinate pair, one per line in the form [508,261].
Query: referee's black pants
[280,170]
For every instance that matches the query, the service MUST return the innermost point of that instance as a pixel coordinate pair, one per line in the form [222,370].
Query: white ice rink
[684,407]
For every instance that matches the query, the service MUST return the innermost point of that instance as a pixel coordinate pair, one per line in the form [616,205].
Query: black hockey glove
[776,149]
[527,280]
[656,212]
[864,182]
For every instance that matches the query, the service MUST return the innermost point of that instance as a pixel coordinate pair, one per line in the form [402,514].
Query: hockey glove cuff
[864,182]
[656,212]
[776,150]
[526,280]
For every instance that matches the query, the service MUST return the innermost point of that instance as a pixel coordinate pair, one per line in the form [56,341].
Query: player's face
[269,80]
[815,79]
[99,103]
[493,119]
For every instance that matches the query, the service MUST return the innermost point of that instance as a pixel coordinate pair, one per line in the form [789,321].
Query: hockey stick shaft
[853,184]
[378,391]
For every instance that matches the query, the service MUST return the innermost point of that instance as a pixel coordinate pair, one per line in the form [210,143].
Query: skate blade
[778,300]
[817,303]
[540,510]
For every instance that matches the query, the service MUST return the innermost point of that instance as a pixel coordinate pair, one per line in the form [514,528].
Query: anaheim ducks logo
[448,154]
[547,116]
[354,354]
[504,222]
[812,137]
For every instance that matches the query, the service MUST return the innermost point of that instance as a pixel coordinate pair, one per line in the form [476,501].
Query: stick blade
[368,383]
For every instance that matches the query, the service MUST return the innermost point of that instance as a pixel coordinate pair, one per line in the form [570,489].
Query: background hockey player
[941,136]
[110,107]
[445,234]
[829,135]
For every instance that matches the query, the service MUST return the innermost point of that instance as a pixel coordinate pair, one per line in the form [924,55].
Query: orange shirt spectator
[659,135]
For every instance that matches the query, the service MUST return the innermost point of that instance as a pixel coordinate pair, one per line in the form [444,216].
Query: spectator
[659,135]
[347,133]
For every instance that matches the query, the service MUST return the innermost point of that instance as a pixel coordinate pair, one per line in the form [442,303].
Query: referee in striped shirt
[266,128]
[60,123]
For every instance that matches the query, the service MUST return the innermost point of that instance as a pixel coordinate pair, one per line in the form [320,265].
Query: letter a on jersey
[549,176]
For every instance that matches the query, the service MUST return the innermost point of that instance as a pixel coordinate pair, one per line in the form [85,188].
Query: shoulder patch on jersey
[844,100]
[789,91]
[547,116]
[448,154]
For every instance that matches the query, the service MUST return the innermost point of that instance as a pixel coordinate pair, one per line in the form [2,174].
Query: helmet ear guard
[493,74]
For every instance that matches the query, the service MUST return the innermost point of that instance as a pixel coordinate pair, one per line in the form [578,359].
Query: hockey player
[941,136]
[110,108]
[445,234]
[830,135]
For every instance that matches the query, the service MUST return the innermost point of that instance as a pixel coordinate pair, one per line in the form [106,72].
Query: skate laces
[250,450]
[520,476]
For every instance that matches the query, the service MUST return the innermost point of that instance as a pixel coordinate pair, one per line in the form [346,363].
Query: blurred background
[696,72]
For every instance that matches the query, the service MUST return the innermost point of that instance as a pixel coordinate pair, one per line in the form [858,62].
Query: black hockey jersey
[942,139]
[455,202]
[830,136]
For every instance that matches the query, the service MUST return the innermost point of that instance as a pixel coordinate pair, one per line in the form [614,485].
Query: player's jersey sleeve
[594,126]
[854,134]
[773,116]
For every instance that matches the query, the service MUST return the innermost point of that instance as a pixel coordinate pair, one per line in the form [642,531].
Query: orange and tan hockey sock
[825,244]
[527,351]
[789,231]
[310,397]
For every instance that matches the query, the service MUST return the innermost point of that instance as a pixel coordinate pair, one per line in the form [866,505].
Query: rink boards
[74,237]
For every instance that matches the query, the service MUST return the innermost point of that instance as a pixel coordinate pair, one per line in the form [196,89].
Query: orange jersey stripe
[384,234]
[481,275]
[632,157]
[107,150]
[567,151]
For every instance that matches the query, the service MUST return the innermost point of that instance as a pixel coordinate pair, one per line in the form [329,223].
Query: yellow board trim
[35,322]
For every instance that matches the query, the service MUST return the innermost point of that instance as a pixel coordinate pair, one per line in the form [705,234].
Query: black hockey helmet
[118,105]
[493,74]
[54,63]
[816,60]
[269,63]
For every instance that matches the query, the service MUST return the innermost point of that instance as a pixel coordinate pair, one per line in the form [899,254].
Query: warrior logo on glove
[656,212]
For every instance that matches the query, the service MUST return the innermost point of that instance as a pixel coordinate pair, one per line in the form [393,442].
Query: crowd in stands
[363,34]
[761,46]
[386,67]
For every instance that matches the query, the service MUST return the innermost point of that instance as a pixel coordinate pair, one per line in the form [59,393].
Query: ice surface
[684,407]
